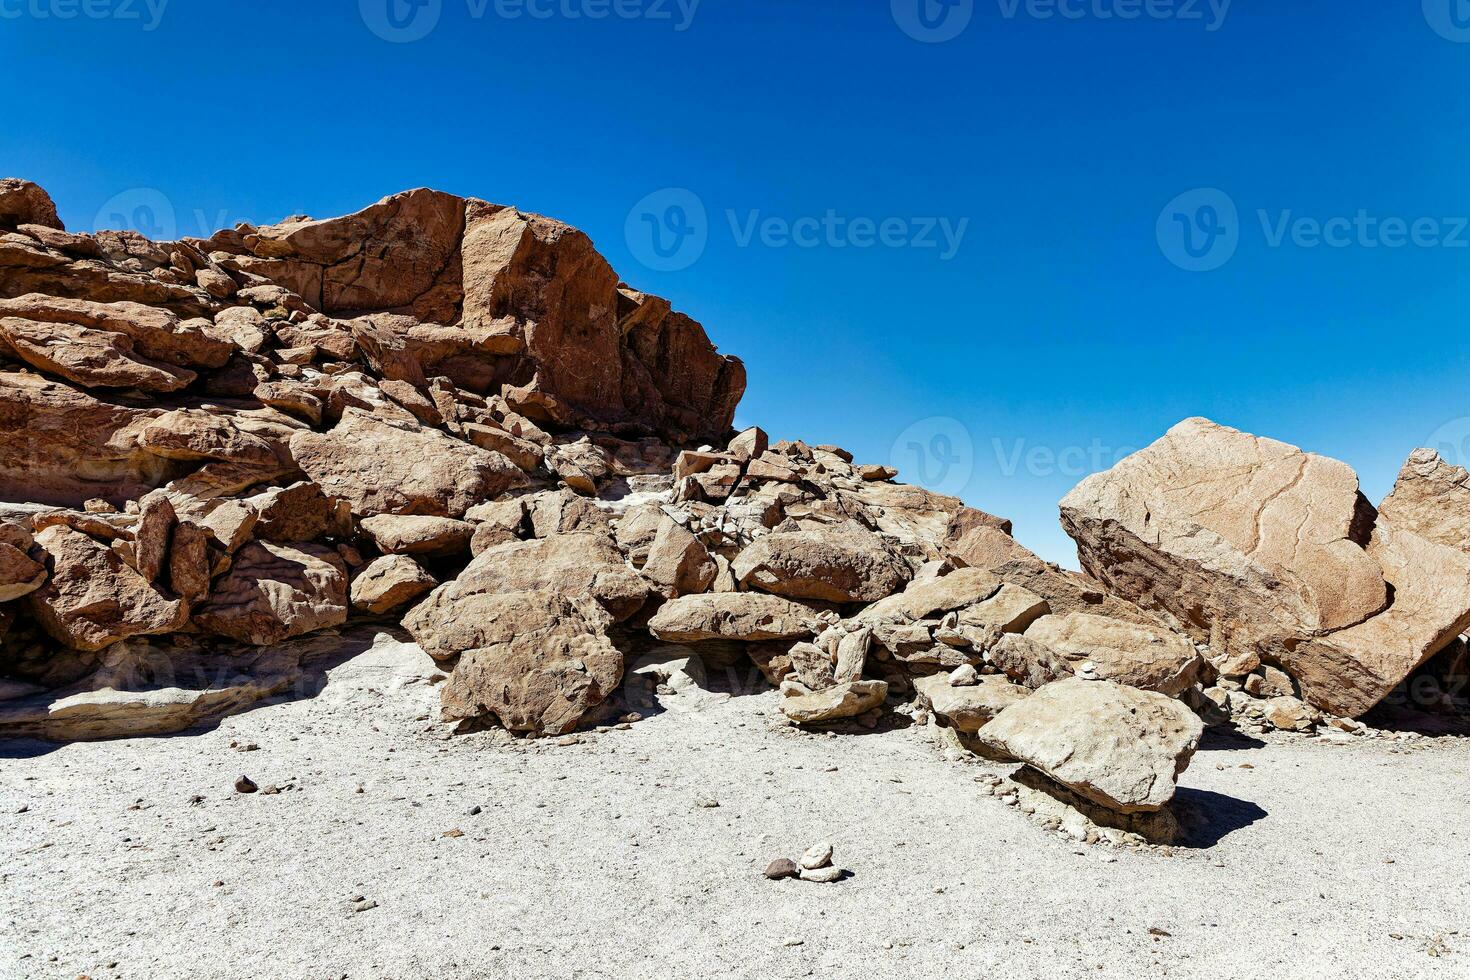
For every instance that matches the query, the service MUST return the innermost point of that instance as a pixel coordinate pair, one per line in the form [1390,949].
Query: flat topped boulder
[393,467]
[843,562]
[745,616]
[1116,745]
[1153,659]
[968,708]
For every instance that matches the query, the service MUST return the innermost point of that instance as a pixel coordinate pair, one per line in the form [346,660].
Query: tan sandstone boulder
[578,564]
[968,708]
[836,563]
[386,583]
[748,617]
[834,703]
[538,661]
[677,563]
[1116,745]
[1151,659]
[1431,499]
[414,534]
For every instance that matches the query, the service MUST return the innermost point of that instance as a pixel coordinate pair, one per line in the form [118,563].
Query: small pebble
[245,785]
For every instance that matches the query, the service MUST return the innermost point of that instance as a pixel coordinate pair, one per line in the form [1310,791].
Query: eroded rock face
[273,592]
[385,467]
[839,563]
[92,599]
[1118,746]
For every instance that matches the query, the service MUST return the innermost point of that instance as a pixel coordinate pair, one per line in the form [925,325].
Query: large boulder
[579,564]
[1272,555]
[1431,499]
[273,592]
[1251,543]
[92,598]
[677,563]
[1116,745]
[537,661]
[389,467]
[842,563]
[749,617]
[416,534]
[25,203]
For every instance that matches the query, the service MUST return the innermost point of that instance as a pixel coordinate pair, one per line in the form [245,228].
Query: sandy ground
[607,858]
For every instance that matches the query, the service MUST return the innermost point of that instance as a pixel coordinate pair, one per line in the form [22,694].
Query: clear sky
[999,242]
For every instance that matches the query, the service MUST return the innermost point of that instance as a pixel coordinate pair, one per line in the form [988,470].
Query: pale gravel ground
[597,860]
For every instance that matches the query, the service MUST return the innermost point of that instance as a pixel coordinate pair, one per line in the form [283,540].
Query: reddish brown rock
[384,467]
[25,203]
[93,599]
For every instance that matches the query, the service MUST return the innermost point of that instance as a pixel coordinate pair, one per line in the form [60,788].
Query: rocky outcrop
[491,296]
[1115,745]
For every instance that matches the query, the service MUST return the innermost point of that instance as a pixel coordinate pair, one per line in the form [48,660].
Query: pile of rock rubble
[454,415]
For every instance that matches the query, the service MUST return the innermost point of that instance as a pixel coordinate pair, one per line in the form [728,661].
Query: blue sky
[955,241]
